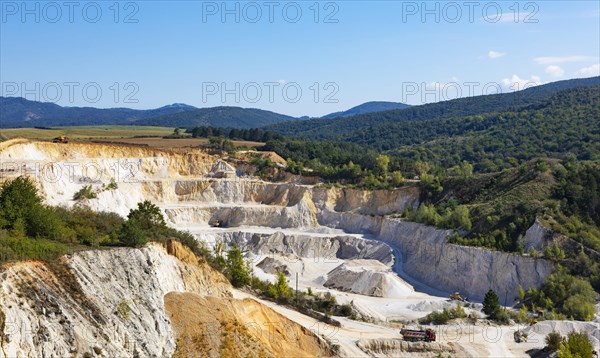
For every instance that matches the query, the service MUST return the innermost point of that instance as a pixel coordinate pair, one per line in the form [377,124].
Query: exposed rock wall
[427,257]
[340,247]
[107,303]
[536,237]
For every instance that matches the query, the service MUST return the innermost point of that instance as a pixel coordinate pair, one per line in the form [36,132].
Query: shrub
[571,296]
[112,185]
[85,193]
[123,310]
[131,234]
[345,310]
[458,312]
[436,317]
[553,341]
[426,214]
[280,290]
[18,198]
[579,307]
[501,316]
[577,345]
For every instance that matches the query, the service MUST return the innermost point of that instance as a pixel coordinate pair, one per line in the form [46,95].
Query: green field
[86,132]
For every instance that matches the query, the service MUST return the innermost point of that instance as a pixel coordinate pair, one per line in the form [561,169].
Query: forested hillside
[19,112]
[369,107]
[232,117]
[350,127]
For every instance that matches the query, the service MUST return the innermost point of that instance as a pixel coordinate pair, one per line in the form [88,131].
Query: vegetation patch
[85,193]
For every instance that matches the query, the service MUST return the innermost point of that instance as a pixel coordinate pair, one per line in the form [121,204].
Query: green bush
[553,341]
[436,317]
[577,345]
[123,310]
[280,290]
[18,199]
[85,193]
[569,295]
[131,234]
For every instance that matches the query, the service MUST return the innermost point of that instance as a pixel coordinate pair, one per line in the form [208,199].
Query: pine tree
[491,304]
[237,268]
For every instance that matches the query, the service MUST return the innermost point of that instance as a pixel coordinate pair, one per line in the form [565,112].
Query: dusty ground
[79,132]
[216,327]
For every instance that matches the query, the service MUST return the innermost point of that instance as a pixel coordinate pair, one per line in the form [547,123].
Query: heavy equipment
[457,297]
[61,139]
[427,335]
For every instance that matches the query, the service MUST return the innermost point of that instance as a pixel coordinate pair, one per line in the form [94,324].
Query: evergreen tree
[280,290]
[237,268]
[491,304]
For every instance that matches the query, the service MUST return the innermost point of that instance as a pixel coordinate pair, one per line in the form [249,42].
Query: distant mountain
[20,112]
[341,128]
[225,117]
[369,107]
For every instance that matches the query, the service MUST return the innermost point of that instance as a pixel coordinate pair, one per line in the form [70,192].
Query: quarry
[160,299]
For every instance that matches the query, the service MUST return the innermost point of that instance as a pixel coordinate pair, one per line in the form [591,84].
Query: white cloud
[555,71]
[437,86]
[554,60]
[495,54]
[593,70]
[516,83]
[281,82]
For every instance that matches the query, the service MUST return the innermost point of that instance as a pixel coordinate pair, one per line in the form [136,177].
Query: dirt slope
[217,327]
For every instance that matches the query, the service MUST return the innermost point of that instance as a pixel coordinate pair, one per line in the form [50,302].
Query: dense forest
[217,117]
[340,128]
[566,122]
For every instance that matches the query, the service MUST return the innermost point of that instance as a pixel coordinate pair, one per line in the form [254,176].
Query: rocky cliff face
[428,258]
[106,303]
[339,247]
[145,302]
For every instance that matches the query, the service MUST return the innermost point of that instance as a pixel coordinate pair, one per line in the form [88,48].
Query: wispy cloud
[555,71]
[593,70]
[555,60]
[496,54]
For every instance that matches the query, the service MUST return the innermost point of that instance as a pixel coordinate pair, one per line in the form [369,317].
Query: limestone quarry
[161,300]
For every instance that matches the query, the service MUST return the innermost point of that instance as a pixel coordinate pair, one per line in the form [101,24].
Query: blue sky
[145,54]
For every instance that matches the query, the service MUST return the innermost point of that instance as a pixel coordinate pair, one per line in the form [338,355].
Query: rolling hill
[21,113]
[225,117]
[369,107]
[566,122]
[347,127]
